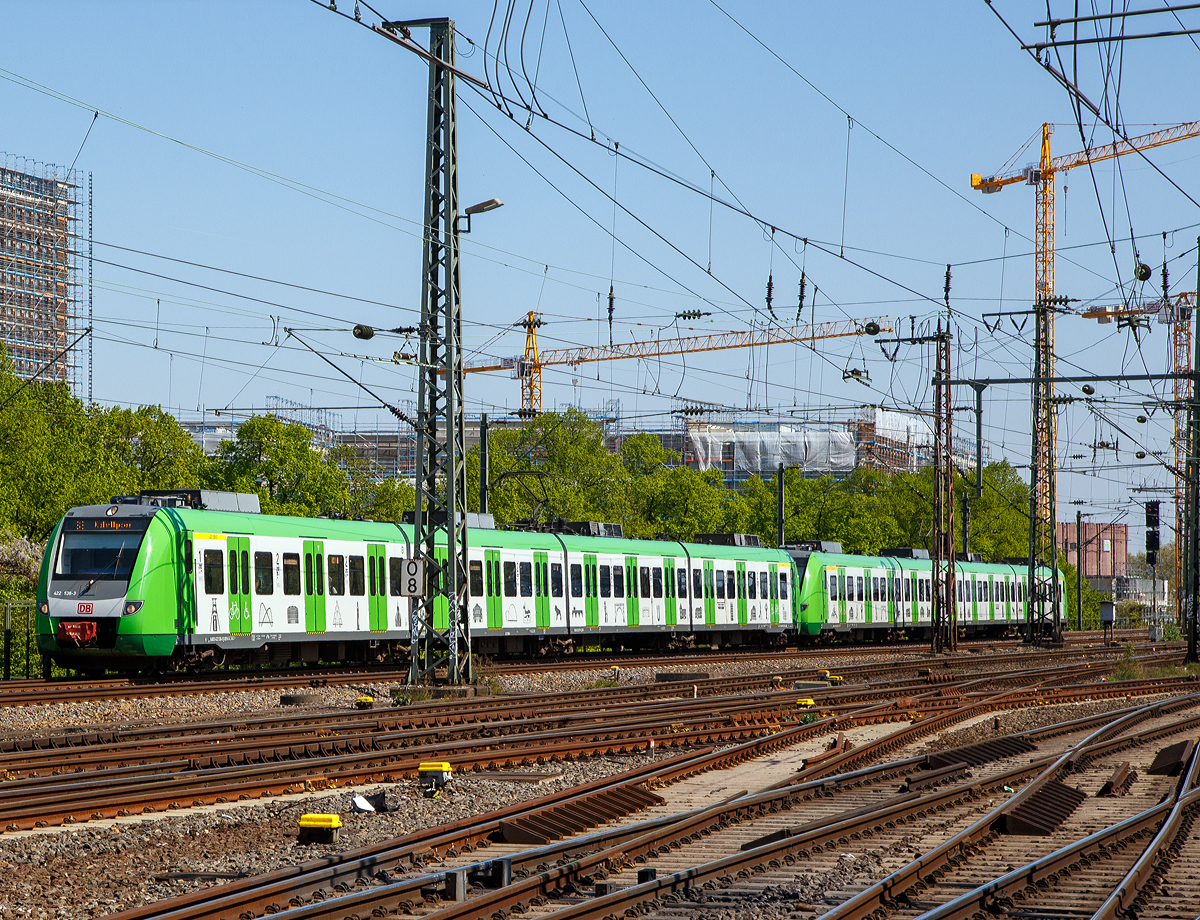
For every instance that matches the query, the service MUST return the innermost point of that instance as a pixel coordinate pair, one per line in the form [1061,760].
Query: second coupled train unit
[170,579]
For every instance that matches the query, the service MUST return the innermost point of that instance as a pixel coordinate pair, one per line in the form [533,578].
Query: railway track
[38,692]
[719,854]
[73,777]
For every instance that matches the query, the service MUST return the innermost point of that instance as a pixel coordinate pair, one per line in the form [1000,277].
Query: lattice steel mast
[440,629]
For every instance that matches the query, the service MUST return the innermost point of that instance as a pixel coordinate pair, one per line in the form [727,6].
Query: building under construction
[41,256]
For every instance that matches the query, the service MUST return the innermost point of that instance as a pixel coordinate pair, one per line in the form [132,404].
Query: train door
[670,593]
[872,596]
[768,588]
[633,603]
[314,586]
[710,604]
[741,592]
[441,606]
[591,602]
[377,586]
[188,595]
[491,587]
[240,610]
[541,589]
[842,584]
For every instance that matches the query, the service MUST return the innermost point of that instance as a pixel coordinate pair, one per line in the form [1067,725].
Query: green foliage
[56,453]
[1128,667]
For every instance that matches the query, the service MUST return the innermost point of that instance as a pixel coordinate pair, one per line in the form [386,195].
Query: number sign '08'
[412,578]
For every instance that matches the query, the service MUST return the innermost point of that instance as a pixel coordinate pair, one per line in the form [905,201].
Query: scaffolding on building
[324,425]
[41,254]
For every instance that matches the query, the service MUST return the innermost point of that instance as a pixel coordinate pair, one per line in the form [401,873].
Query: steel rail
[248,896]
[889,888]
[997,896]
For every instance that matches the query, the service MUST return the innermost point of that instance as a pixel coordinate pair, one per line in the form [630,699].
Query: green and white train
[163,580]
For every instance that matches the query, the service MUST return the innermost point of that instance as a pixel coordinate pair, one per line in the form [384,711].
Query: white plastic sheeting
[755,450]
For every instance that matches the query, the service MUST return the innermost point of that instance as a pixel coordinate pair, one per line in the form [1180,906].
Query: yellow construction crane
[528,367]
[1042,178]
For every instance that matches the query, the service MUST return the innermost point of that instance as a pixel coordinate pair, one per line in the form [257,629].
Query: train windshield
[98,554]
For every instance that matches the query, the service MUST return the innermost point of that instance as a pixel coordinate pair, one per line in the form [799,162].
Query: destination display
[107,525]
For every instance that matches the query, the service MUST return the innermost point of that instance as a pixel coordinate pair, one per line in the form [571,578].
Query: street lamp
[482,208]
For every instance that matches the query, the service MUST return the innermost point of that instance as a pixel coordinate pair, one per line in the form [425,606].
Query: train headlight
[44,608]
[132,607]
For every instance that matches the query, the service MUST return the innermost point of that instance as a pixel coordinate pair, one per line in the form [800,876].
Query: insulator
[770,293]
[946,289]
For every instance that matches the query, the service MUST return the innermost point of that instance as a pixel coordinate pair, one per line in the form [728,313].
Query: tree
[667,499]
[277,461]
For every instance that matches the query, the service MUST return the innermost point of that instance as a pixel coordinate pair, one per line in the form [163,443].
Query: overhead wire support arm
[383,402]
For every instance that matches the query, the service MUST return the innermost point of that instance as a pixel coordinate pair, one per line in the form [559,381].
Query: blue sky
[330,120]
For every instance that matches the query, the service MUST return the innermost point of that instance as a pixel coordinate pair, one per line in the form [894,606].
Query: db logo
[85,608]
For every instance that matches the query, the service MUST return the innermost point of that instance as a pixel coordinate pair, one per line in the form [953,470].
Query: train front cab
[106,591]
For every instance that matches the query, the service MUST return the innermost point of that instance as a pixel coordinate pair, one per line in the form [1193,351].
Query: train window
[752,585]
[920,590]
[490,578]
[721,584]
[960,592]
[245,572]
[233,575]
[605,581]
[308,574]
[291,573]
[357,582]
[741,584]
[545,579]
[773,584]
[908,589]
[762,585]
[874,588]
[731,584]
[618,581]
[644,581]
[320,579]
[683,585]
[510,579]
[371,576]
[214,572]
[576,580]
[337,574]
[658,585]
[556,585]
[860,588]
[833,588]
[783,586]
[475,577]
[697,584]
[538,590]
[264,574]
[395,576]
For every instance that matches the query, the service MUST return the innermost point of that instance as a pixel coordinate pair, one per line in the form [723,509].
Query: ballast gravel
[112,866]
